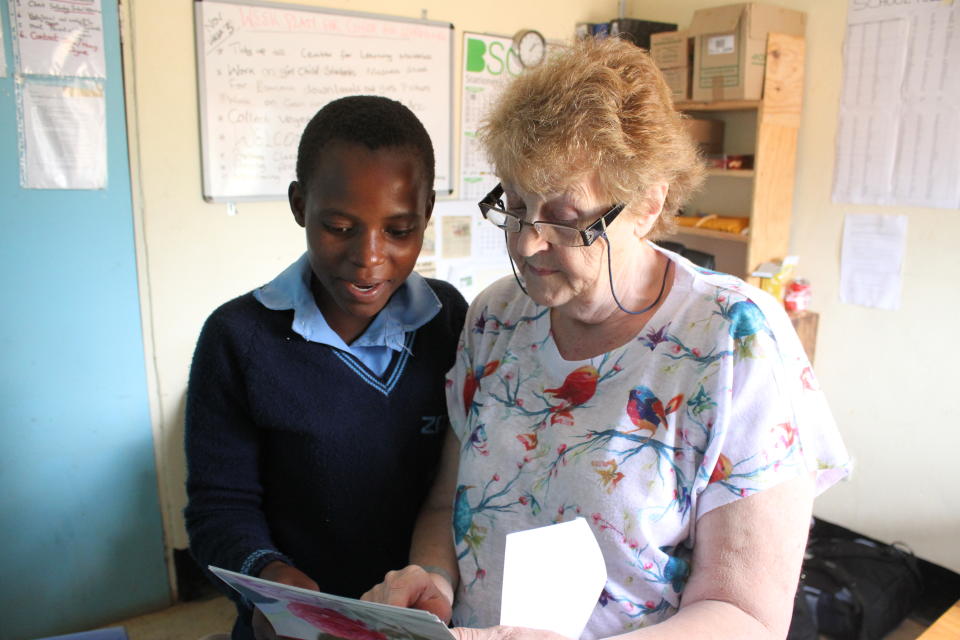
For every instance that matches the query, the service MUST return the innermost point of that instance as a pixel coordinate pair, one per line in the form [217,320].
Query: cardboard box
[730,48]
[638,31]
[708,134]
[678,79]
[671,49]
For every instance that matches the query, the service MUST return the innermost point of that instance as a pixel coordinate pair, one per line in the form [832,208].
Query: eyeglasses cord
[663,283]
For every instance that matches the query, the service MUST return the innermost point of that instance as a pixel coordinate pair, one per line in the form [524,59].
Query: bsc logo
[495,59]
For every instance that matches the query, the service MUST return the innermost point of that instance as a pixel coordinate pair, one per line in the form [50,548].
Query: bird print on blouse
[639,440]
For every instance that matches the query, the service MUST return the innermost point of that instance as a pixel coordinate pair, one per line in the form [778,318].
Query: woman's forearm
[705,619]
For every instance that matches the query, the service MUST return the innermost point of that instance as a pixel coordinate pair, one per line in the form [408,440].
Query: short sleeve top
[714,400]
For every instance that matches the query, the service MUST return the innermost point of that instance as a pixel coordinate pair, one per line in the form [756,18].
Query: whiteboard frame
[201,87]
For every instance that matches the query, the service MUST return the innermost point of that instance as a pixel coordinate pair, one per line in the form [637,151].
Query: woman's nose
[368,249]
[528,241]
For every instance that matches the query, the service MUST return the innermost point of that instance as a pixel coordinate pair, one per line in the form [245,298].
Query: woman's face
[559,276]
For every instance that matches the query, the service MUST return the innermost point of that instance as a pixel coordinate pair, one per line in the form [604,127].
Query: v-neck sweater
[298,451]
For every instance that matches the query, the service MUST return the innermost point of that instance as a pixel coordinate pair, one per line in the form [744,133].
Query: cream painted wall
[889,379]
[193,257]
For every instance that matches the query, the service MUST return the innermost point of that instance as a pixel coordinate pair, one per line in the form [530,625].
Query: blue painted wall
[81,542]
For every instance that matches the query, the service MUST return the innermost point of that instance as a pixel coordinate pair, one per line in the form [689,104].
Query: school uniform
[304,449]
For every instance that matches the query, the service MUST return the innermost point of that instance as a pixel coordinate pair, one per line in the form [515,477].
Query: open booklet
[538,592]
[309,615]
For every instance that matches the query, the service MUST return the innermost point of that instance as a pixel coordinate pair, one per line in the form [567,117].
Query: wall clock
[531,47]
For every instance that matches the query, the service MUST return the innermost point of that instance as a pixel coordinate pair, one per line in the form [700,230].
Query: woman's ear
[650,206]
[295,196]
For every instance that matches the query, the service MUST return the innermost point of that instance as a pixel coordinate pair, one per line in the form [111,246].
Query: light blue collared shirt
[413,305]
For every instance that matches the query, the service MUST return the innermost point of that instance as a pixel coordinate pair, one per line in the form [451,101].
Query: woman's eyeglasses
[493,209]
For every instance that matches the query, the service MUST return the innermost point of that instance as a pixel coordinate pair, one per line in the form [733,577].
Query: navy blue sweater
[296,451]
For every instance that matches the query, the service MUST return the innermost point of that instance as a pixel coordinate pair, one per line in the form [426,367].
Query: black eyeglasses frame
[588,234]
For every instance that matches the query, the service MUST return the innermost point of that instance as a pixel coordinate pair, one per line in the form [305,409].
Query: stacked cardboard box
[730,47]
[708,134]
[637,31]
[672,52]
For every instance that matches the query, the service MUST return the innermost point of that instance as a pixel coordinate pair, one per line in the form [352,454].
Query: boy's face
[364,213]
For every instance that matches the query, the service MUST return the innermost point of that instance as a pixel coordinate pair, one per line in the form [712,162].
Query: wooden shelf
[769,185]
[716,235]
[719,105]
[731,173]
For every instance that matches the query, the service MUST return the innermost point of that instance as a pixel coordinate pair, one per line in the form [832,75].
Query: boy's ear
[431,200]
[295,196]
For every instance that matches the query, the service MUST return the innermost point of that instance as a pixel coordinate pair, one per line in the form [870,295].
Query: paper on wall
[64,133]
[489,63]
[455,236]
[898,138]
[59,38]
[3,54]
[872,260]
[541,592]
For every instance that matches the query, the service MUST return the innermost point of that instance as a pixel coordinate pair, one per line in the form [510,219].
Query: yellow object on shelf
[728,224]
[774,276]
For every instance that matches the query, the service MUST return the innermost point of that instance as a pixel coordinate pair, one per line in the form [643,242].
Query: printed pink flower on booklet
[333,622]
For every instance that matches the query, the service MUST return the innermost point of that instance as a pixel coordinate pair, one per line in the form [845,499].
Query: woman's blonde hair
[601,105]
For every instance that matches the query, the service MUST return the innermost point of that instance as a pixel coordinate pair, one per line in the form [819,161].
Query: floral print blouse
[714,400]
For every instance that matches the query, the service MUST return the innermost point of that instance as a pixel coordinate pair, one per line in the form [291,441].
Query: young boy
[315,407]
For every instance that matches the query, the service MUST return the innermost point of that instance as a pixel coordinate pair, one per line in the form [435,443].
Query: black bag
[855,588]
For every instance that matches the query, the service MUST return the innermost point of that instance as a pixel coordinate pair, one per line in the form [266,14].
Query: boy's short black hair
[373,121]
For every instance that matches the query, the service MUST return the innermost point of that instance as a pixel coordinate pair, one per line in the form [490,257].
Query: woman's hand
[505,633]
[414,587]
[283,573]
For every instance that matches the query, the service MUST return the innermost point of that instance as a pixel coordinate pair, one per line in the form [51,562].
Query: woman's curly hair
[601,105]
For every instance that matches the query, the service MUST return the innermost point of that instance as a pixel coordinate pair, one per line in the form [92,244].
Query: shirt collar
[411,306]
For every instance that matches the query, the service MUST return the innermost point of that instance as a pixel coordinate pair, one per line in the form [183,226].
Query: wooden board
[947,626]
[806,323]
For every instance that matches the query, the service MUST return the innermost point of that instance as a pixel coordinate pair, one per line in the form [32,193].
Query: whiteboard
[265,69]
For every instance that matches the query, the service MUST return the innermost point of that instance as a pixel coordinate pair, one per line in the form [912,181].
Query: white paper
[59,37]
[3,54]
[540,592]
[64,136]
[308,615]
[489,63]
[898,140]
[872,260]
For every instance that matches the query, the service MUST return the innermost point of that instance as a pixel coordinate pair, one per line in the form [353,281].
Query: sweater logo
[432,425]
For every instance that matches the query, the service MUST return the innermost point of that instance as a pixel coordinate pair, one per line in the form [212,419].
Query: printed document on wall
[58,37]
[489,63]
[64,135]
[3,54]
[871,260]
[898,137]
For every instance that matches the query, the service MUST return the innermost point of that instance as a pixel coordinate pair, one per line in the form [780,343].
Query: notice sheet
[59,37]
[872,259]
[898,140]
[64,136]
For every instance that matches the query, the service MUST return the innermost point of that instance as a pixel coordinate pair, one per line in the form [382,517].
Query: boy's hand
[283,573]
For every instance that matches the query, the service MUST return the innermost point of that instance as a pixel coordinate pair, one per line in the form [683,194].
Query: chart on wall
[489,63]
[898,139]
[59,38]
[264,70]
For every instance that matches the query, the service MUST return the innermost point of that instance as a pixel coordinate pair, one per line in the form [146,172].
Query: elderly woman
[670,406]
